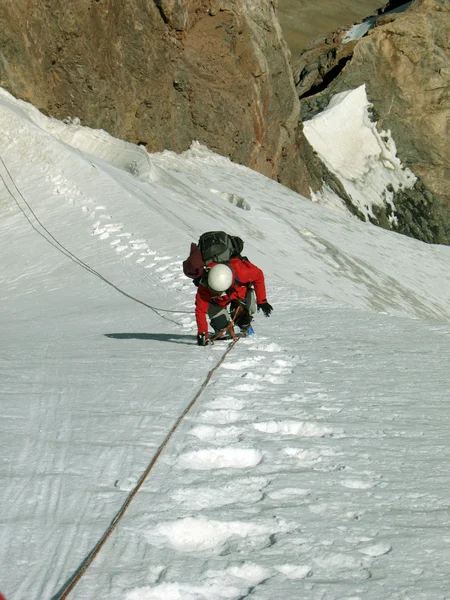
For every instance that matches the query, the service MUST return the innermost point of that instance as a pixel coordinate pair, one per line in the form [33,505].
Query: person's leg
[219,317]
[250,301]
[246,314]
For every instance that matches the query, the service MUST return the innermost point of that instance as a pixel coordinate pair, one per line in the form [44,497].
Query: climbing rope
[230,327]
[50,238]
[89,559]
[47,235]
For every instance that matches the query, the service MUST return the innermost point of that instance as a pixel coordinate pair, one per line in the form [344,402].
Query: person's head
[220,278]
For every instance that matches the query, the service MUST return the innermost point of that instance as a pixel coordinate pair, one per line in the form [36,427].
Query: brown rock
[320,61]
[164,73]
[405,64]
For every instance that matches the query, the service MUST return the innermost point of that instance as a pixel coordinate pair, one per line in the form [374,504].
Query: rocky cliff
[163,73]
[405,63]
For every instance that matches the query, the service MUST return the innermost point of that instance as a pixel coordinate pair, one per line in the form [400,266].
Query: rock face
[321,62]
[405,64]
[164,73]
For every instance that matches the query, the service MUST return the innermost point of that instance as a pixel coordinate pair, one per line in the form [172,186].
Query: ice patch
[223,458]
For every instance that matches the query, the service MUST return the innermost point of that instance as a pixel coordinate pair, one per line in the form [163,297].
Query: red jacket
[244,273]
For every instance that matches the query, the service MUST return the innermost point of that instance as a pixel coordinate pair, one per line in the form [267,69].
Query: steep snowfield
[314,463]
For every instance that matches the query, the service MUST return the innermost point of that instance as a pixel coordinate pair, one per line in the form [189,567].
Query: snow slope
[314,463]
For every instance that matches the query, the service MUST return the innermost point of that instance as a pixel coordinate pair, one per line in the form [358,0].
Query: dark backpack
[219,247]
[215,246]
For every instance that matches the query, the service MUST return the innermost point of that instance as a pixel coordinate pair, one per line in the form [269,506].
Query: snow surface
[364,159]
[313,465]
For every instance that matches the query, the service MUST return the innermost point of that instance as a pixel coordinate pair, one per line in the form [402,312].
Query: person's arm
[256,276]
[201,309]
[250,273]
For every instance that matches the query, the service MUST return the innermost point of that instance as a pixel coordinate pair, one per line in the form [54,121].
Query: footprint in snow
[221,417]
[266,347]
[248,387]
[243,364]
[313,458]
[217,435]
[376,549]
[357,484]
[294,571]
[244,490]
[126,485]
[341,567]
[120,249]
[265,377]
[220,458]
[226,402]
[196,534]
[289,493]
[299,428]
[234,582]
[139,245]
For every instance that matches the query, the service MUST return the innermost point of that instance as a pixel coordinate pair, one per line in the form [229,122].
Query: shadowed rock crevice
[326,79]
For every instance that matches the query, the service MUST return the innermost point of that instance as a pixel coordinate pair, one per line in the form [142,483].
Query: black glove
[266,308]
[202,340]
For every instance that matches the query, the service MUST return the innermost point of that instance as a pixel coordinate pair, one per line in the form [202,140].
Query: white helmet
[220,278]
